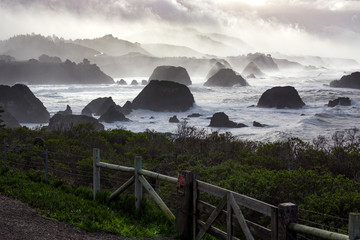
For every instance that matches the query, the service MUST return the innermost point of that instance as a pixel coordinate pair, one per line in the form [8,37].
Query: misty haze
[228,54]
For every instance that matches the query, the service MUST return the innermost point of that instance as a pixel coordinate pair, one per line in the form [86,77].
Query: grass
[75,206]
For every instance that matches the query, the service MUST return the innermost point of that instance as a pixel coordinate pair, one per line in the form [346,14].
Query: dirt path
[19,221]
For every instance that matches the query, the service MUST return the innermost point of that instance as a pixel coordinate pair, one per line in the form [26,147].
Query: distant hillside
[191,38]
[36,72]
[24,47]
[168,50]
[111,45]
[320,61]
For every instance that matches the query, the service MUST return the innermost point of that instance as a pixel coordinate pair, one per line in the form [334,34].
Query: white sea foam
[238,103]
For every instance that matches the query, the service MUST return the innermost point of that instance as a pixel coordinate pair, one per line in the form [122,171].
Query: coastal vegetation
[321,177]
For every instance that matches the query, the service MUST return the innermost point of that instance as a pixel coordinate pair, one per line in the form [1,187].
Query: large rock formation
[220,119]
[112,115]
[171,73]
[21,103]
[36,72]
[8,120]
[174,119]
[281,97]
[99,106]
[252,69]
[164,96]
[65,122]
[348,81]
[216,68]
[121,82]
[134,82]
[226,78]
[342,101]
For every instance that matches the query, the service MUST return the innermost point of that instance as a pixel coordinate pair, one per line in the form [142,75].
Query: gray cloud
[279,25]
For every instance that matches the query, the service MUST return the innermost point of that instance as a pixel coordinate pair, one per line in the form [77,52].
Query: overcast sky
[323,27]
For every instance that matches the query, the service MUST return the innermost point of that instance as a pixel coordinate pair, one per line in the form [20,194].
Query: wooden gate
[227,211]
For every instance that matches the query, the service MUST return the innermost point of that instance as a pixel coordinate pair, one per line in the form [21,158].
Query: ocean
[239,103]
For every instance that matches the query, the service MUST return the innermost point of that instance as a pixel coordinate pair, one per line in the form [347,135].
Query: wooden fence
[189,220]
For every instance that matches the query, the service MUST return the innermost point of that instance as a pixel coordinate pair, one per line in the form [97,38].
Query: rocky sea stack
[163,96]
[348,81]
[225,78]
[220,119]
[171,73]
[281,97]
[65,122]
[342,101]
[99,106]
[22,104]
[113,115]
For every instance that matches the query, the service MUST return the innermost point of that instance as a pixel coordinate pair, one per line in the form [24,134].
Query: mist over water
[239,103]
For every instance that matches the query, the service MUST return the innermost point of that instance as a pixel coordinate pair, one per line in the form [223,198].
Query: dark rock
[281,97]
[94,105]
[252,69]
[113,115]
[127,108]
[144,82]
[194,115]
[257,124]
[164,96]
[348,81]
[151,117]
[343,101]
[174,119]
[36,72]
[109,102]
[171,73]
[220,119]
[67,111]
[66,122]
[9,120]
[86,111]
[134,82]
[122,82]
[21,103]
[216,68]
[99,106]
[226,78]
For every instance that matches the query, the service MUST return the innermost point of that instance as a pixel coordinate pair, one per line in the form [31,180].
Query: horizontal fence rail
[315,232]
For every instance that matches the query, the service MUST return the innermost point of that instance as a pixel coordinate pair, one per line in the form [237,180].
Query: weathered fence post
[96,172]
[354,226]
[5,149]
[287,213]
[138,185]
[185,223]
[46,165]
